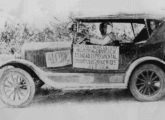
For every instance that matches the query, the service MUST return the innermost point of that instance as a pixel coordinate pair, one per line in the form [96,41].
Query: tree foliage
[13,36]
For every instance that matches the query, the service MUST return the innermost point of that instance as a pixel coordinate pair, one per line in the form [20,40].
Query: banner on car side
[58,58]
[96,57]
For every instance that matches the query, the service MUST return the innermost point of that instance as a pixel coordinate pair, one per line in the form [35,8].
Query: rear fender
[140,61]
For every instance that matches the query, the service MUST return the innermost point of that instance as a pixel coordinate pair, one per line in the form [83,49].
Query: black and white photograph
[82,59]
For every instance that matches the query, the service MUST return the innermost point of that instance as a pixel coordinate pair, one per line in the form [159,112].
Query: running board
[86,81]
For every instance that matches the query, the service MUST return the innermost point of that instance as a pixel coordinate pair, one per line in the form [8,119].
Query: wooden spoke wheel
[17,87]
[147,83]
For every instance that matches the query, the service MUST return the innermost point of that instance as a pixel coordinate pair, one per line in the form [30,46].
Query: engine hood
[37,52]
[45,45]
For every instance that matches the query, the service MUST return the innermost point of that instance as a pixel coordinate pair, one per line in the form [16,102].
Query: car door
[128,53]
[103,58]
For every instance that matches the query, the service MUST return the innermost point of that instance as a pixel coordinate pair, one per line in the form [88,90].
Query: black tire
[21,87]
[147,83]
[38,83]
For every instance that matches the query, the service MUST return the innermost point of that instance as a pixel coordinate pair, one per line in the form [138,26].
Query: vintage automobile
[135,60]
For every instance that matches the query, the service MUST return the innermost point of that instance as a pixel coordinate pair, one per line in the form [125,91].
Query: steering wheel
[82,37]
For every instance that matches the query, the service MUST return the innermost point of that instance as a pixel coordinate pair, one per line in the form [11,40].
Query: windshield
[104,32]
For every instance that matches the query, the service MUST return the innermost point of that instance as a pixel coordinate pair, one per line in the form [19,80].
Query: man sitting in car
[144,35]
[106,38]
[153,24]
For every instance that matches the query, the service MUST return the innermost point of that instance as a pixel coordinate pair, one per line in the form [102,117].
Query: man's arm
[102,41]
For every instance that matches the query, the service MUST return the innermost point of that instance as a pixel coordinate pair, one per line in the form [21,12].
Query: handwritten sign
[96,57]
[58,58]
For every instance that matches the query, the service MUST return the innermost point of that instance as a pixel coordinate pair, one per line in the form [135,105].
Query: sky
[41,11]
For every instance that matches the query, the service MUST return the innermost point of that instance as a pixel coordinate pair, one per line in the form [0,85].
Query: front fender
[138,62]
[39,72]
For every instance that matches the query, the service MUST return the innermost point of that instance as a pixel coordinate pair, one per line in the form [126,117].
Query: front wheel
[147,83]
[17,87]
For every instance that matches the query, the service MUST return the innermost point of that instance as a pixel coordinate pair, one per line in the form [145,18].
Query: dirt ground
[85,105]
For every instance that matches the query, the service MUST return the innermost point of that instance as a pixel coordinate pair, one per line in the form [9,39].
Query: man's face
[152,25]
[109,28]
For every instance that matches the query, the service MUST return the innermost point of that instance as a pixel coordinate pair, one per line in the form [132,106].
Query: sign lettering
[96,57]
[58,58]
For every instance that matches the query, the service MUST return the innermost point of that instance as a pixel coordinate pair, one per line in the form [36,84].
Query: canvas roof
[121,17]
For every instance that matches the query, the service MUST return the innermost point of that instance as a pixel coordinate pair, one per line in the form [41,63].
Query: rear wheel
[17,87]
[147,83]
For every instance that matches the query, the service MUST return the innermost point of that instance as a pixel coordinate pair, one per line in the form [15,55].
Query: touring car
[134,61]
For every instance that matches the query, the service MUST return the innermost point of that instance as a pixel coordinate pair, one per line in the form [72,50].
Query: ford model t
[130,54]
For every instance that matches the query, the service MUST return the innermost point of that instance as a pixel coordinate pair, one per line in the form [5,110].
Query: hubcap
[148,83]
